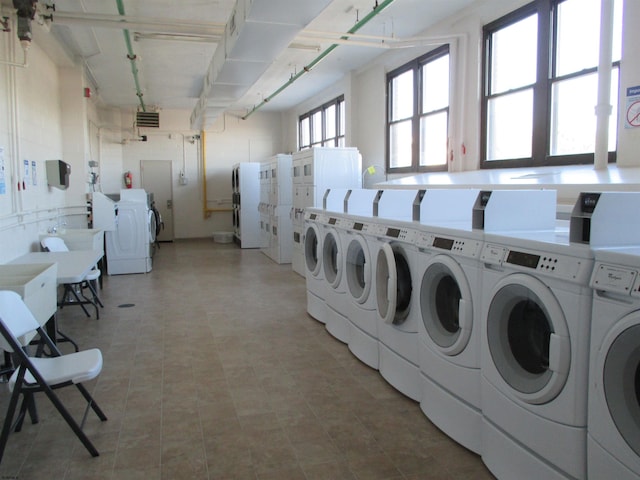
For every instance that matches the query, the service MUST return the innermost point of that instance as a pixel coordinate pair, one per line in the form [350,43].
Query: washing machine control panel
[313,216]
[357,226]
[615,278]
[549,264]
[465,247]
[393,232]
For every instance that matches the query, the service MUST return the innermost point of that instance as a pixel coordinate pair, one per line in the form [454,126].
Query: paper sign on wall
[25,177]
[632,111]
[34,179]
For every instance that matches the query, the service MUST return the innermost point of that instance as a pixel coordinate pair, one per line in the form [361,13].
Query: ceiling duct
[243,54]
[148,119]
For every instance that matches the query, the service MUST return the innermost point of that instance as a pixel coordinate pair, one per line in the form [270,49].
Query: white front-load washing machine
[312,249]
[336,300]
[396,306]
[613,432]
[393,243]
[360,276]
[536,312]
[449,289]
[360,279]
[333,264]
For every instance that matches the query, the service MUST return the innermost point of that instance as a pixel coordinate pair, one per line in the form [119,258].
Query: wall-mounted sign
[632,111]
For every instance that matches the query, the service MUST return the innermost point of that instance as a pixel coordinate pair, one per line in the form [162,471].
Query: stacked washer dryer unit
[393,236]
[297,217]
[448,293]
[280,200]
[245,183]
[613,425]
[263,207]
[536,311]
[333,248]
[360,276]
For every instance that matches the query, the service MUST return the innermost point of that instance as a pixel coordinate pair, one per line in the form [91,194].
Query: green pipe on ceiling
[132,57]
[376,10]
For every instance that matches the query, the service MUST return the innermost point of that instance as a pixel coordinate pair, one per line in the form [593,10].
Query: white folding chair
[70,295]
[42,374]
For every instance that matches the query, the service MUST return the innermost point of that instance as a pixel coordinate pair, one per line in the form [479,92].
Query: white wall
[31,130]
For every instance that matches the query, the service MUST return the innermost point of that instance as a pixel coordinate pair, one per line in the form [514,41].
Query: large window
[540,84]
[418,114]
[323,126]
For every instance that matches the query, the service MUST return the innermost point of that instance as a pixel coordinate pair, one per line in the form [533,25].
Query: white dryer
[536,312]
[613,440]
[312,245]
[129,247]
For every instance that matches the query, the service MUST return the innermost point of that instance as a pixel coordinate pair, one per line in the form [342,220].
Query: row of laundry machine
[518,334]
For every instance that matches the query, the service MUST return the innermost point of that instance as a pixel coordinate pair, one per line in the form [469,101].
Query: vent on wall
[148,119]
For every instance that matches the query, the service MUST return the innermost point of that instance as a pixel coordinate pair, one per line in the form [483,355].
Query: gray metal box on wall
[58,174]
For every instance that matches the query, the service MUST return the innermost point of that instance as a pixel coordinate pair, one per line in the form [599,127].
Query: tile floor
[217,372]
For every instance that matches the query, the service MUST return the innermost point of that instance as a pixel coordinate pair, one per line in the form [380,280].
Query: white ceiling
[174,42]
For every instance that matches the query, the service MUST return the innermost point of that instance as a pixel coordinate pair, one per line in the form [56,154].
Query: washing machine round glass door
[152,226]
[393,285]
[528,338]
[446,305]
[621,380]
[332,258]
[358,269]
[311,249]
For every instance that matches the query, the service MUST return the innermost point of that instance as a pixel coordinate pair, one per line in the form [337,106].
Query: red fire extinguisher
[128,180]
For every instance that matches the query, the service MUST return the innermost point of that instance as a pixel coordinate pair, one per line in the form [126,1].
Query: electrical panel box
[58,174]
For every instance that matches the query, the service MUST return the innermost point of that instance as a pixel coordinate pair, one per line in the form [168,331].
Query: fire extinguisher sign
[632,112]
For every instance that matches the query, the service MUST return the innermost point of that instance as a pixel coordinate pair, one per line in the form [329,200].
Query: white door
[156,177]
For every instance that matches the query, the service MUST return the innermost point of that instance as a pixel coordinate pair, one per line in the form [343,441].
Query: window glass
[402,96]
[330,121]
[433,139]
[510,123]
[513,55]
[316,126]
[305,140]
[577,46]
[435,84]
[400,144]
[573,120]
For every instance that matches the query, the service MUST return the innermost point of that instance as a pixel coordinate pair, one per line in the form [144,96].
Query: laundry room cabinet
[245,185]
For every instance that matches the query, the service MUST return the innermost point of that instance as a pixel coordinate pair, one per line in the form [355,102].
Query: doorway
[157,177]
